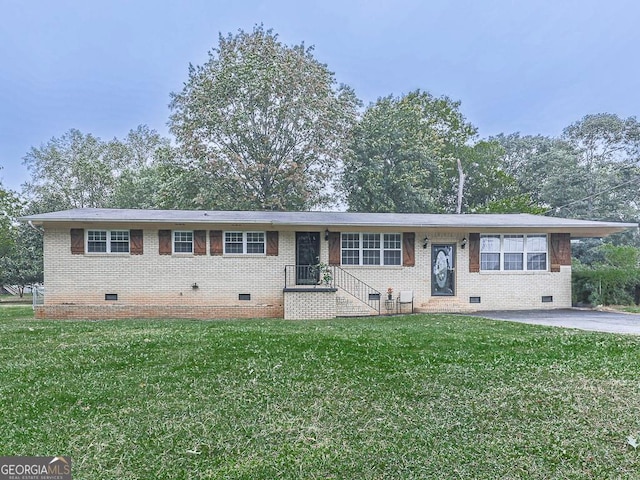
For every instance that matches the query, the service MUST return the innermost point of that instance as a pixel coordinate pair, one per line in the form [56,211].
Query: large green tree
[20,245]
[264,123]
[154,176]
[404,156]
[22,265]
[489,188]
[72,171]
[80,170]
[10,206]
[607,150]
[544,168]
[591,171]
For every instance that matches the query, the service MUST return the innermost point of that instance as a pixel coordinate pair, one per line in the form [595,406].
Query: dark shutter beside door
[474,252]
[272,244]
[408,249]
[334,248]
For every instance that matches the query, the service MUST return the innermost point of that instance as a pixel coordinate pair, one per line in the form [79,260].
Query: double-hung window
[371,248]
[249,243]
[107,241]
[536,252]
[182,242]
[119,241]
[513,252]
[490,252]
[513,247]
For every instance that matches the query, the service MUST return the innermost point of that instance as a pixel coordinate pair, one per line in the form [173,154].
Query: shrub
[614,281]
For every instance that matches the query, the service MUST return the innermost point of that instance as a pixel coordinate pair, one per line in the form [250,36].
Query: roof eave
[587,231]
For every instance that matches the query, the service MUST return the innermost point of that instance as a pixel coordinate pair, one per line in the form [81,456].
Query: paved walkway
[597,321]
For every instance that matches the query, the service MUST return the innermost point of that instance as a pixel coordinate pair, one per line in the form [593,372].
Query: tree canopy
[591,171]
[10,206]
[265,124]
[22,264]
[401,154]
[79,170]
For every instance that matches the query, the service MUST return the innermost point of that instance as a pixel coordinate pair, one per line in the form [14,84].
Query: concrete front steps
[445,305]
[346,307]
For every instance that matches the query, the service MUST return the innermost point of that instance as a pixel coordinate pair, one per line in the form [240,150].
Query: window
[97,241]
[255,242]
[371,249]
[233,242]
[513,252]
[392,248]
[108,241]
[350,249]
[513,246]
[250,243]
[119,241]
[182,242]
[490,252]
[536,252]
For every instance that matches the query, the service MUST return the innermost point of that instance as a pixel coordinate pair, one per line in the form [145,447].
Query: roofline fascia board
[596,223]
[335,220]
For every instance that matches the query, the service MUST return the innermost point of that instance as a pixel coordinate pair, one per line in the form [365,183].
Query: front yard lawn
[431,396]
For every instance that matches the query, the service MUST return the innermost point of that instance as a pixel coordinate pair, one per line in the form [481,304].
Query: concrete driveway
[597,321]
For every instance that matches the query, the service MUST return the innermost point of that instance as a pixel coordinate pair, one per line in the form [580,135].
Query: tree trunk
[460,186]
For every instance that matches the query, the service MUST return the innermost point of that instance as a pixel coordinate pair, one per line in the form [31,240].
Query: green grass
[437,396]
[27,298]
[630,308]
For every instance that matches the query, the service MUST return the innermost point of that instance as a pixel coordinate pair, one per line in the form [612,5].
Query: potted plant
[390,293]
[323,273]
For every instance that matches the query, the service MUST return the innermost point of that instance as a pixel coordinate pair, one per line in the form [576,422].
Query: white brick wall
[166,280]
[497,290]
[162,279]
[316,305]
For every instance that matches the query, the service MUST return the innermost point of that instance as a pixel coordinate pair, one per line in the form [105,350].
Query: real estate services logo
[35,468]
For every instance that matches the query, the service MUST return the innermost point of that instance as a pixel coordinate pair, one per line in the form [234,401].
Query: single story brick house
[114,263]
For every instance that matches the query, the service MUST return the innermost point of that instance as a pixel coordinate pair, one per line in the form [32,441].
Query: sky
[105,67]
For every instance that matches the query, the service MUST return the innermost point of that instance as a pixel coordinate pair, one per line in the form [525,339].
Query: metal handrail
[332,276]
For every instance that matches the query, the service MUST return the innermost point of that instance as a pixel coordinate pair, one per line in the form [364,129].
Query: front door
[443,269]
[307,255]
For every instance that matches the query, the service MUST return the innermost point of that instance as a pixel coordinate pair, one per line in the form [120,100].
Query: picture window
[371,248]
[513,252]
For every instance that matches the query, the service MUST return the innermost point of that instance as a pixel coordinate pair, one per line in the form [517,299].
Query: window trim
[173,242]
[108,233]
[381,249]
[525,252]
[245,242]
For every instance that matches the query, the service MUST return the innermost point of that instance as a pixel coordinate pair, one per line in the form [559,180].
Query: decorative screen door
[307,255]
[443,269]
